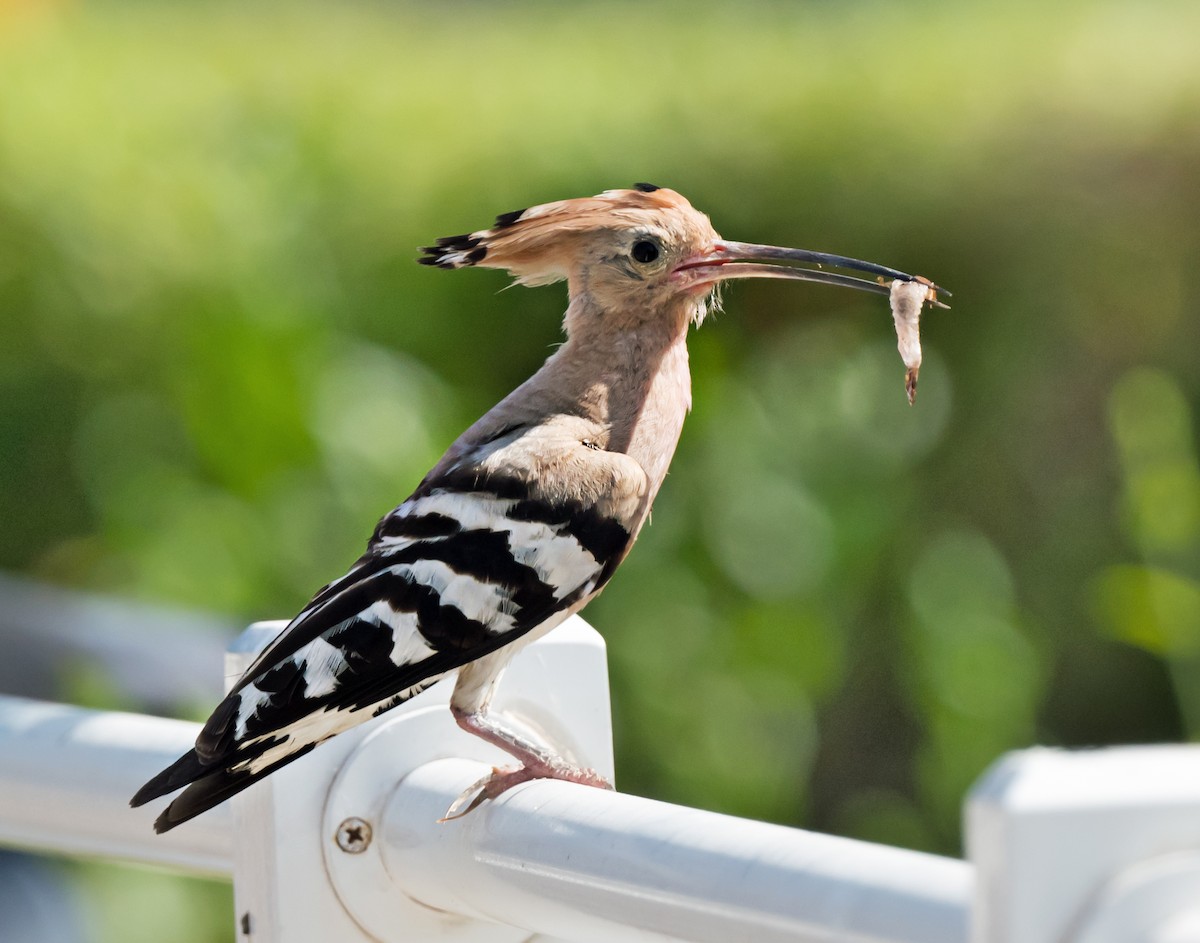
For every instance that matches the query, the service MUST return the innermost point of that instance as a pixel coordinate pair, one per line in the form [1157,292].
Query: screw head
[354,835]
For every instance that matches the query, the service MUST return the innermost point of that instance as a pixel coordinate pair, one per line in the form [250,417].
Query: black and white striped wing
[449,576]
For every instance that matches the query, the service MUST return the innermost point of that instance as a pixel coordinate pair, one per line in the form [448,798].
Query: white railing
[65,774]
[345,844]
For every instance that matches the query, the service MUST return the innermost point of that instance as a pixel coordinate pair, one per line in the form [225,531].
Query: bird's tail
[201,796]
[207,786]
[223,763]
[187,769]
[215,769]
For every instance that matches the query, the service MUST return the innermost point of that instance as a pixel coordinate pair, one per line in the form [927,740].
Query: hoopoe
[527,515]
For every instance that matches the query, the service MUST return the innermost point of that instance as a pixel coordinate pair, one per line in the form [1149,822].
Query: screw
[354,835]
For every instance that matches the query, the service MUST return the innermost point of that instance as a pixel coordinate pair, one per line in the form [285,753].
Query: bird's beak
[724,260]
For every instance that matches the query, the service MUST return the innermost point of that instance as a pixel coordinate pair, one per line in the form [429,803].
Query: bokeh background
[219,364]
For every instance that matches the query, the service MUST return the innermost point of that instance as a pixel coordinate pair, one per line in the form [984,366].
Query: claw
[499,781]
[480,787]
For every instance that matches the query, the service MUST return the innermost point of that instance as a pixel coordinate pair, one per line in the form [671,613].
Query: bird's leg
[537,762]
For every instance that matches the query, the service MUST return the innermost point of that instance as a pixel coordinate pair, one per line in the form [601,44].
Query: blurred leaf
[1152,424]
[1153,609]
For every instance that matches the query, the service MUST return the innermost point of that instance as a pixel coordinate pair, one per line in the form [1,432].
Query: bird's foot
[499,781]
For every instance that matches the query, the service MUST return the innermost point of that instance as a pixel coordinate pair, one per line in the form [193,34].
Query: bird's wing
[471,562]
[450,576]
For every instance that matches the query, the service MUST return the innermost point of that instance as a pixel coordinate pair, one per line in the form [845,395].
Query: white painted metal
[1093,847]
[66,776]
[549,858]
[1088,847]
[1154,901]
[589,865]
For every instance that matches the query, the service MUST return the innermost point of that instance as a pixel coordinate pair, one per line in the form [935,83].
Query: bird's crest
[536,244]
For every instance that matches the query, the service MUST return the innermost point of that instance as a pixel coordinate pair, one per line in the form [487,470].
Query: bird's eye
[644,251]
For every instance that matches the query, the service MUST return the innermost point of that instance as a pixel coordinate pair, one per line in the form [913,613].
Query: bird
[527,515]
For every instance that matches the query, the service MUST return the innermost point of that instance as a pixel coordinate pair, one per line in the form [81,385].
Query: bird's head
[640,252]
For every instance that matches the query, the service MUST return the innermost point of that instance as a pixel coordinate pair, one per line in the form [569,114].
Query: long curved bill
[726,260]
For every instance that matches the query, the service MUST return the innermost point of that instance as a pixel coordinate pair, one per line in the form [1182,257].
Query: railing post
[1099,846]
[307,859]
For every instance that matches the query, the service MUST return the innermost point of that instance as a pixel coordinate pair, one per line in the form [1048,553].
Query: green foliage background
[219,364]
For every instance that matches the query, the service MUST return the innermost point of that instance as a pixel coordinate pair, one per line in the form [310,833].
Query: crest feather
[535,244]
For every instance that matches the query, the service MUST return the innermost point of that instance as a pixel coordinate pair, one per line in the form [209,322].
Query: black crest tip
[646,187]
[454,252]
[504,220]
[465,241]
[435,255]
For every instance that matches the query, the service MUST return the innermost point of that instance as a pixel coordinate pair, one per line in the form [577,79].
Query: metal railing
[345,844]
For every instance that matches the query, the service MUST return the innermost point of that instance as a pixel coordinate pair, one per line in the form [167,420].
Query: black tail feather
[201,796]
[214,749]
[213,789]
[186,769]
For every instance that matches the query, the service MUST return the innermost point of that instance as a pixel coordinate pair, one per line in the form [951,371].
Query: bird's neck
[635,385]
[622,387]
[625,374]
